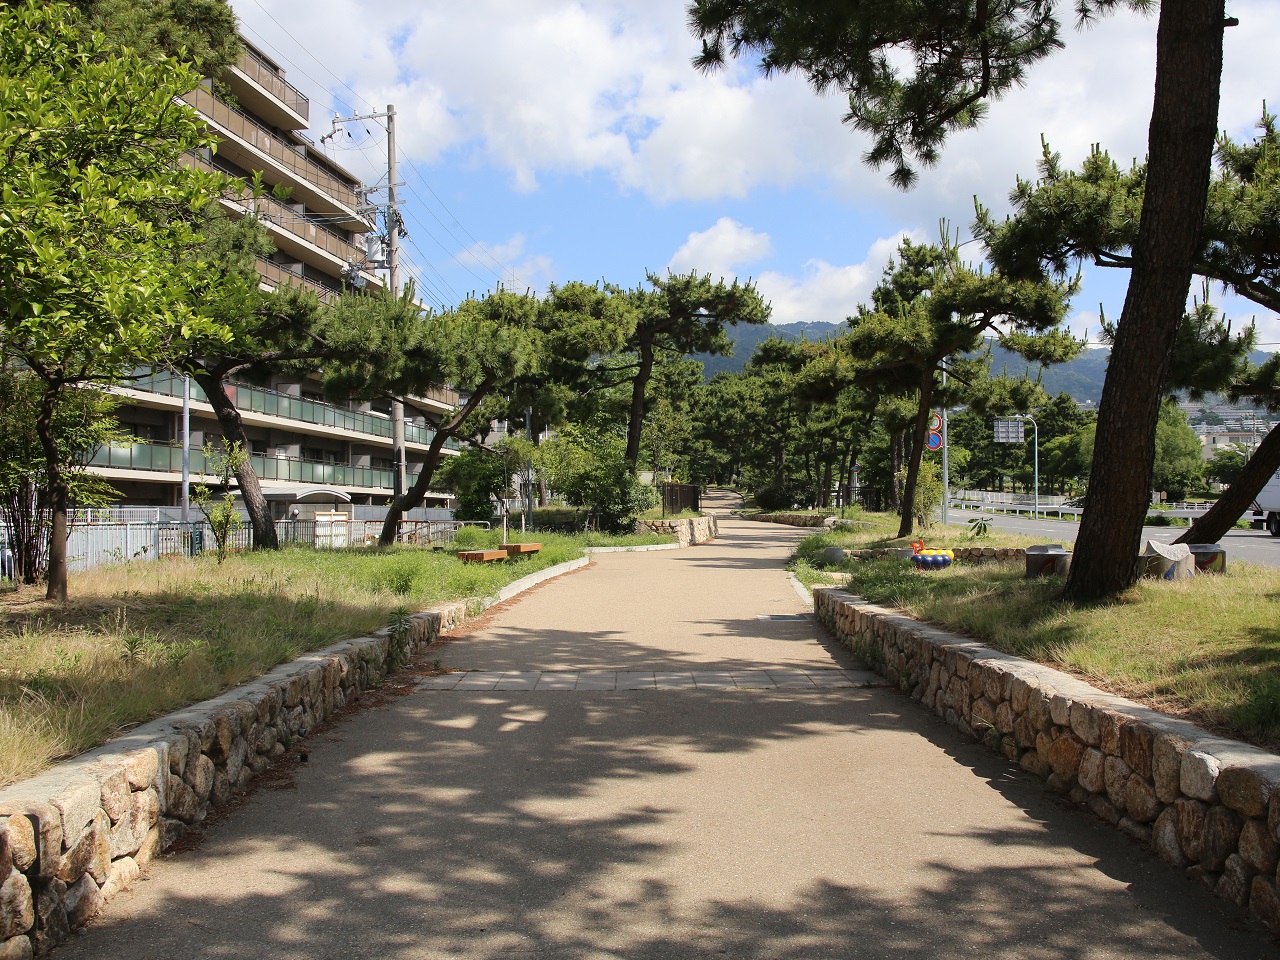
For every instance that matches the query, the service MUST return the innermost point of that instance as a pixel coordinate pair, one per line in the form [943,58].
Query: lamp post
[1035,445]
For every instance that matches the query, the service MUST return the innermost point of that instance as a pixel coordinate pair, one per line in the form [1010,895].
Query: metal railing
[268,77]
[282,277]
[92,545]
[168,458]
[272,403]
[264,141]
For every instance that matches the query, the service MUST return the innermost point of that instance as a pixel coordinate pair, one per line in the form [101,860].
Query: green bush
[774,496]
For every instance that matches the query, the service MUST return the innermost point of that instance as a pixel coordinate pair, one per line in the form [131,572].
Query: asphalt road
[706,775]
[1253,546]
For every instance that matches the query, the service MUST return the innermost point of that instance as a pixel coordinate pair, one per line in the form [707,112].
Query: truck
[1266,508]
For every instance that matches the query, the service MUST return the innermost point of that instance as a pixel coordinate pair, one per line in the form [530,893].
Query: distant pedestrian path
[660,756]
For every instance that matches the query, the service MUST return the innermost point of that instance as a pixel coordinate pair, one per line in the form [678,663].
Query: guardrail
[1064,509]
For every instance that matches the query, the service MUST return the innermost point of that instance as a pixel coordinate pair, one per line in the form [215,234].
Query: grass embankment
[141,639]
[1207,648]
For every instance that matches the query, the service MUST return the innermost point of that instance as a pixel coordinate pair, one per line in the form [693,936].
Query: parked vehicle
[1266,508]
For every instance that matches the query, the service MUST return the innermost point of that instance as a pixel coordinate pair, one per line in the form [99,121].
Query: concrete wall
[1206,805]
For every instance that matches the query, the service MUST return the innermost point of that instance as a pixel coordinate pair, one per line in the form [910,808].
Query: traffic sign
[1010,430]
[934,440]
[935,422]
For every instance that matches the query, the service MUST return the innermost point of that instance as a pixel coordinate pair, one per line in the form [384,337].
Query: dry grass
[1206,648]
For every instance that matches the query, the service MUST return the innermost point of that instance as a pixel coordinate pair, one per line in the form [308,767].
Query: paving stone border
[1205,804]
[687,532]
[74,836]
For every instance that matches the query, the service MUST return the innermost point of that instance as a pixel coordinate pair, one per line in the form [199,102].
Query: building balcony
[167,458]
[250,400]
[277,276]
[251,146]
[260,85]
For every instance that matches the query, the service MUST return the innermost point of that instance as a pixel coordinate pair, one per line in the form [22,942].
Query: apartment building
[308,453]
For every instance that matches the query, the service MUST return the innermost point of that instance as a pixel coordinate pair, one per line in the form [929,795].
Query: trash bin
[1168,561]
[1048,560]
[1209,557]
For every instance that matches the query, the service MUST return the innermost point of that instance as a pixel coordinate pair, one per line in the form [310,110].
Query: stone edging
[791,519]
[1205,804]
[687,532]
[74,836]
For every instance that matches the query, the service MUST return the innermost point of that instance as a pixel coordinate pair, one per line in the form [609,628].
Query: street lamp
[1035,446]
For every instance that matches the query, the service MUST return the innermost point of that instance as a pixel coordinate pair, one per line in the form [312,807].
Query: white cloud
[509,260]
[542,87]
[720,250]
[822,292]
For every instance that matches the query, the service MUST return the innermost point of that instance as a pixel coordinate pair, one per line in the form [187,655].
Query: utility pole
[391,217]
[393,280]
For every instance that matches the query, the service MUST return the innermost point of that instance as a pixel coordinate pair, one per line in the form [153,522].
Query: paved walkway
[660,756]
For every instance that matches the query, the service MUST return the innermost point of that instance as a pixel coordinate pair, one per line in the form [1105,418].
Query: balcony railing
[274,212]
[282,277]
[167,458]
[267,142]
[272,403]
[267,77]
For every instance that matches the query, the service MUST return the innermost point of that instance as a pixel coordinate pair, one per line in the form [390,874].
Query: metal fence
[92,544]
[678,497]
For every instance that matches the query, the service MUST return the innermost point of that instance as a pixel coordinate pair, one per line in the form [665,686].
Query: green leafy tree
[929,307]
[1179,464]
[675,317]
[587,466]
[220,512]
[81,423]
[201,33]
[98,238]
[914,72]
[1226,464]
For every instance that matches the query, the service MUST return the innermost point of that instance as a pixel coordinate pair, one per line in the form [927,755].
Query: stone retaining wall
[1205,804]
[73,837]
[688,531]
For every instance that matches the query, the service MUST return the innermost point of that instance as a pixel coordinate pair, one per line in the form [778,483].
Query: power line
[501,272]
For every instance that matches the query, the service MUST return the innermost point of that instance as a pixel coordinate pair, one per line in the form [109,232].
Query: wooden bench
[481,556]
[516,549]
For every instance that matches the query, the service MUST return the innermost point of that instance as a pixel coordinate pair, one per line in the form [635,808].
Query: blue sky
[545,141]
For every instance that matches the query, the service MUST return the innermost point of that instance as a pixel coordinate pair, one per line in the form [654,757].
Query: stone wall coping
[1229,753]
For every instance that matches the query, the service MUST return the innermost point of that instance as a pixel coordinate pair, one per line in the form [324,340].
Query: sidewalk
[495,817]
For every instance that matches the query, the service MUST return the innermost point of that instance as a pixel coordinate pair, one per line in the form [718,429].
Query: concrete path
[725,784]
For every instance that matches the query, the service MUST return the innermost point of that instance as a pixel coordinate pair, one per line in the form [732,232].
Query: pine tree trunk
[1238,497]
[59,495]
[635,421]
[415,495]
[1180,150]
[255,504]
[920,431]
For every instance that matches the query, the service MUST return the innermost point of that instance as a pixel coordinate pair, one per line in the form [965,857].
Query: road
[662,755]
[1253,546]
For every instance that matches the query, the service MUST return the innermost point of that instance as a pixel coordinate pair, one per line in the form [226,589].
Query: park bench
[516,549]
[481,556]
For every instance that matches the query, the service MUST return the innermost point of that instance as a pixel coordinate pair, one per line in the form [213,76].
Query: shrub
[774,496]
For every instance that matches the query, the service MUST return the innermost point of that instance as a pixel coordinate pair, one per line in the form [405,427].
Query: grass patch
[139,640]
[1207,648]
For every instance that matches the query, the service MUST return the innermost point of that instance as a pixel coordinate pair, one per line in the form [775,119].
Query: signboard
[935,422]
[934,440]
[1010,431]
